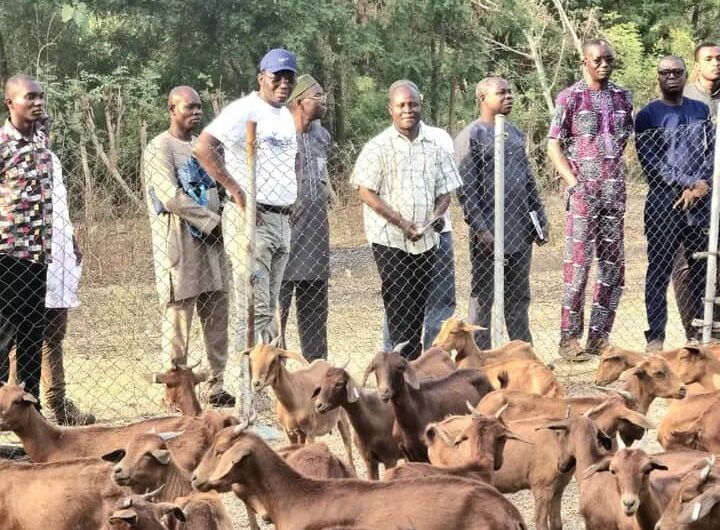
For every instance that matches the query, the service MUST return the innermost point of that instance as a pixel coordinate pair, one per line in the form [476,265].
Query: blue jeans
[441,300]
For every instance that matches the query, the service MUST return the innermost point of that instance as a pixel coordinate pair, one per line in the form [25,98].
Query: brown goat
[418,403]
[136,512]
[372,419]
[627,491]
[295,406]
[458,336]
[458,504]
[147,464]
[180,382]
[692,364]
[692,423]
[694,505]
[524,375]
[45,442]
[204,511]
[64,495]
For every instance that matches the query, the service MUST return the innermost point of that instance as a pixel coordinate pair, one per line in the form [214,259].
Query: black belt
[269,208]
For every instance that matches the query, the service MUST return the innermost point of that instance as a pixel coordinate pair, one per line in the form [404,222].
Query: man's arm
[472,165]
[160,177]
[560,128]
[380,207]
[209,152]
[560,162]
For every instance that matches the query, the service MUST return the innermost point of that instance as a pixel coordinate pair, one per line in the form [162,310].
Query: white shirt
[276,147]
[63,274]
[408,176]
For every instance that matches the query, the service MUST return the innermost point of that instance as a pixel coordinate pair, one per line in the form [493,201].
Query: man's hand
[485,240]
[438,224]
[410,230]
[77,251]
[691,195]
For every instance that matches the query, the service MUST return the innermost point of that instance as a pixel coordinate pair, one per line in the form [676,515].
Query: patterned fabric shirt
[408,176]
[25,195]
[594,126]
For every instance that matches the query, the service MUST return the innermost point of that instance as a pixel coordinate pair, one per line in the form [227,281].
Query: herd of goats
[468,429]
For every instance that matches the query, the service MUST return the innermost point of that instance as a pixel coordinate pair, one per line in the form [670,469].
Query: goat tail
[503,379]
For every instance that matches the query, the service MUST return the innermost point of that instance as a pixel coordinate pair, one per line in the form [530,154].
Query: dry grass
[114,337]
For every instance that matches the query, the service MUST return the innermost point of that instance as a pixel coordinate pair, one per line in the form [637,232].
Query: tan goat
[46,442]
[692,364]
[295,406]
[180,382]
[147,464]
[695,503]
[692,423]
[136,512]
[372,419]
[458,504]
[65,495]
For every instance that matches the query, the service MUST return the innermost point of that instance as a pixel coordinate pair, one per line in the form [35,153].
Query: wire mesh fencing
[341,280]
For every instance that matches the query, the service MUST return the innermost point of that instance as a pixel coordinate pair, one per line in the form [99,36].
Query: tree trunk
[4,67]
[451,107]
[434,79]
[569,26]
[88,194]
[540,67]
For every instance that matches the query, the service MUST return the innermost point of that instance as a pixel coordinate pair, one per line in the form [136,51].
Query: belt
[269,208]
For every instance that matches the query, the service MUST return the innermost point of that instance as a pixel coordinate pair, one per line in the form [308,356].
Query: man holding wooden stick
[221,150]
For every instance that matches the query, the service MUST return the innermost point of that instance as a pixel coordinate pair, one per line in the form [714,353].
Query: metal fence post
[250,214]
[498,313]
[710,283]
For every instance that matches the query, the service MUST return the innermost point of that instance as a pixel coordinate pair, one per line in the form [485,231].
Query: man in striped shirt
[404,178]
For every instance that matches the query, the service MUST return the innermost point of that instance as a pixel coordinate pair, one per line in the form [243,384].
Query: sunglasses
[677,72]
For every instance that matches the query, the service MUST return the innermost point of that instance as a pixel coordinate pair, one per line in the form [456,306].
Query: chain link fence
[328,275]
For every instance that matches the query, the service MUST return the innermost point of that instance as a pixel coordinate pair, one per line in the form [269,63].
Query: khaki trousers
[212,308]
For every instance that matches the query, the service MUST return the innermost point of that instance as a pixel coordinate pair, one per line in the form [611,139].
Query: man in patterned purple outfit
[588,134]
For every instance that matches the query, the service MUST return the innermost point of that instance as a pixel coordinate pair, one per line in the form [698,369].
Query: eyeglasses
[321,98]
[676,72]
[277,79]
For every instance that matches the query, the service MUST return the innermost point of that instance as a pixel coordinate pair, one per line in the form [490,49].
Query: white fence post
[498,313]
[710,283]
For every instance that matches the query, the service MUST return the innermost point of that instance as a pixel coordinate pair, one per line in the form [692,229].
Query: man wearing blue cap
[221,151]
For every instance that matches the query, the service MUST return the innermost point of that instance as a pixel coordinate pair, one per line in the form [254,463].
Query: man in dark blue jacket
[674,145]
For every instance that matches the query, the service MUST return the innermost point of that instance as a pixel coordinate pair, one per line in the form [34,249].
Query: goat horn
[628,396]
[567,412]
[346,364]
[170,435]
[150,495]
[370,369]
[400,346]
[710,464]
[195,365]
[620,443]
[502,409]
[472,410]
[22,385]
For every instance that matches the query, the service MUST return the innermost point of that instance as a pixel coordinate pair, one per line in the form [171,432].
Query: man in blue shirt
[674,145]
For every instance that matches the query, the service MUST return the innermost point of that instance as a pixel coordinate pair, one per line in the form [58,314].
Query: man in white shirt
[221,151]
[404,177]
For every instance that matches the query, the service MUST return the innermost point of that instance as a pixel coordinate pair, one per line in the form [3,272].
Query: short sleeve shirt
[594,126]
[276,147]
[25,195]
[408,176]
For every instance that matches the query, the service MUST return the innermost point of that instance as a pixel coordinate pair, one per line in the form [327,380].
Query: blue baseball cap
[278,59]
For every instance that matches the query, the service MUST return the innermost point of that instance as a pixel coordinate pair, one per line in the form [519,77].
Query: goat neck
[285,388]
[38,435]
[636,388]
[586,455]
[189,405]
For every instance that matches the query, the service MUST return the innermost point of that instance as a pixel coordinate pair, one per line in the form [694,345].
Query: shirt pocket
[585,122]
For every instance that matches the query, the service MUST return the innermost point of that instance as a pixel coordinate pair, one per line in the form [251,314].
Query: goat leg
[344,428]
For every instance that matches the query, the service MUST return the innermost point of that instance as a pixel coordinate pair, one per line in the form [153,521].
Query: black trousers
[22,302]
[405,284]
[311,306]
[517,294]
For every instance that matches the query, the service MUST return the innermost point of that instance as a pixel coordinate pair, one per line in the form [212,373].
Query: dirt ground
[114,338]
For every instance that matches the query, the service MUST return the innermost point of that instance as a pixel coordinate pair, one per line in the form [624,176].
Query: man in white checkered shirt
[404,178]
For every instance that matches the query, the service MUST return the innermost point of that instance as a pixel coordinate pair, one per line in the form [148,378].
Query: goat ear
[460,356]
[352,391]
[473,327]
[228,461]
[554,426]
[658,464]
[436,431]
[604,440]
[162,456]
[693,351]
[636,418]
[172,510]
[292,355]
[370,369]
[411,377]
[316,392]
[700,507]
[246,351]
[597,468]
[201,376]
[124,516]
[509,435]
[638,372]
[114,456]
